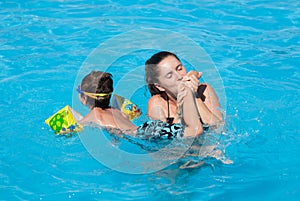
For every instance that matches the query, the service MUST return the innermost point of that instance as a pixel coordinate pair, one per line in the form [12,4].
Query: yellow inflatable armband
[64,121]
[126,106]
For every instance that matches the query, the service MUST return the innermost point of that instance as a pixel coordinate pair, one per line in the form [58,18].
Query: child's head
[96,88]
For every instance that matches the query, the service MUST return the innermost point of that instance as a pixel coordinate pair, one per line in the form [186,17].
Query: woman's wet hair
[98,82]
[152,70]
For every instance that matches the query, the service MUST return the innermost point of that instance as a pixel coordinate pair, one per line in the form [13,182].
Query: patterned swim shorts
[156,129]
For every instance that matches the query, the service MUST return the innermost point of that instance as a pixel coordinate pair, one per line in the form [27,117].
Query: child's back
[110,118]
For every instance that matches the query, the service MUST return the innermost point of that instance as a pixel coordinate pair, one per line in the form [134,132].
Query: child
[95,92]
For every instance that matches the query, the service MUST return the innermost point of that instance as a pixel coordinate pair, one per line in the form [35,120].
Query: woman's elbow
[199,129]
[193,131]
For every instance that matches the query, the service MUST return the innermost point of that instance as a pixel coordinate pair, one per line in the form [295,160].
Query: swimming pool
[254,46]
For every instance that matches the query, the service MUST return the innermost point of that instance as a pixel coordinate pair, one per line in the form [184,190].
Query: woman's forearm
[190,114]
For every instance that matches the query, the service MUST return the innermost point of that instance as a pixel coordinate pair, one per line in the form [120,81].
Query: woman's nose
[179,76]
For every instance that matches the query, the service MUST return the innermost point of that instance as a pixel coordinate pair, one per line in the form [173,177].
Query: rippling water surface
[254,45]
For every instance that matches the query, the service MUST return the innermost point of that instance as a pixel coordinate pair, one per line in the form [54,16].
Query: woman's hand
[194,73]
[192,80]
[181,93]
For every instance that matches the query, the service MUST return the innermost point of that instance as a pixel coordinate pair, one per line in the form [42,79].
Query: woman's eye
[169,75]
[179,67]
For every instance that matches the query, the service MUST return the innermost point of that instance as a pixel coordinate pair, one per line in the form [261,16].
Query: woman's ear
[159,87]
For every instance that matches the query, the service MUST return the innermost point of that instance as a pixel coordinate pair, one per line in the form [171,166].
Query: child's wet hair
[98,82]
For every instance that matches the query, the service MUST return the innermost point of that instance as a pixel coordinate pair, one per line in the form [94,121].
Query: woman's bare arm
[207,108]
[188,111]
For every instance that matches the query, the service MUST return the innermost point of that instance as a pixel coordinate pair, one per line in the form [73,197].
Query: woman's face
[171,73]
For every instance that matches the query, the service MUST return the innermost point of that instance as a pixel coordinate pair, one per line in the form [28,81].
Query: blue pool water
[254,46]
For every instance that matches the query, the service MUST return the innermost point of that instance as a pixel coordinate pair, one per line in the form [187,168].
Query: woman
[95,92]
[164,72]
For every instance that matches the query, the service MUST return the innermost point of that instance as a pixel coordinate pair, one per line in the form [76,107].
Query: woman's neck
[171,97]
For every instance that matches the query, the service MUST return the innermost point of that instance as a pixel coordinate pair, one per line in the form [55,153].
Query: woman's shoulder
[156,100]
[204,89]
[208,89]
[157,108]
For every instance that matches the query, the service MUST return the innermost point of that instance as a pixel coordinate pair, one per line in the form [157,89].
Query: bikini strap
[169,119]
